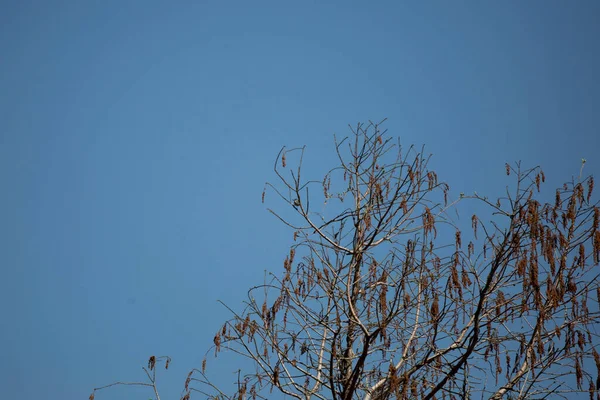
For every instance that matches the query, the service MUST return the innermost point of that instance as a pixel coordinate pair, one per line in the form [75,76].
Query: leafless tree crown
[385,294]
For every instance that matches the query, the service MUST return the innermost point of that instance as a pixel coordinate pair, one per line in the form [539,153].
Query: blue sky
[136,137]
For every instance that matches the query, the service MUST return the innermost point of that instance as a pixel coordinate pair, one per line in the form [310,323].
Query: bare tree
[384,294]
[150,374]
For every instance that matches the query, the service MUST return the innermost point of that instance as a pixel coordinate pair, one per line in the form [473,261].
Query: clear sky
[136,137]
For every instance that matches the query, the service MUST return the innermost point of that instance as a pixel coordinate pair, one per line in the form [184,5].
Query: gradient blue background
[136,137]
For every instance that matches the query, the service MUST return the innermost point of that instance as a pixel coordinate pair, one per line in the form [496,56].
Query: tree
[384,294]
[150,374]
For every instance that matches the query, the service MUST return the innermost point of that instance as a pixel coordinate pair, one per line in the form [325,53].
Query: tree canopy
[390,291]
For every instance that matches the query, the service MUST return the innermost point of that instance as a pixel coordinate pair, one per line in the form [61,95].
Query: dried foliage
[374,302]
[383,295]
